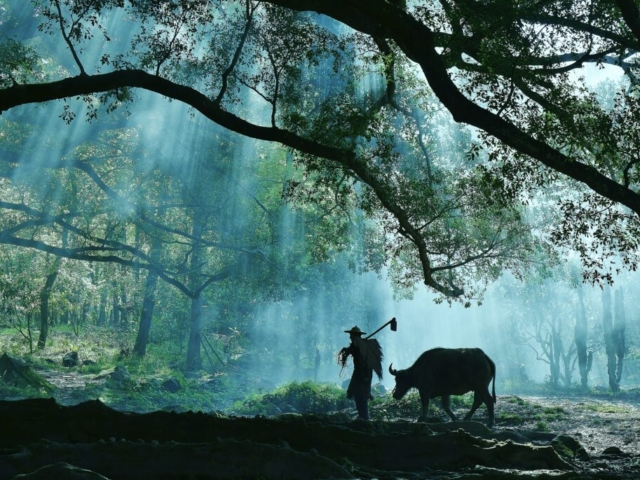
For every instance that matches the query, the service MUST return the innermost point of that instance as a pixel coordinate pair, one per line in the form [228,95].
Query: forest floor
[597,421]
[606,426]
[132,426]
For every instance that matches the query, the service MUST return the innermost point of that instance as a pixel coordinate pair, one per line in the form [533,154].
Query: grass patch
[541,426]
[510,419]
[516,400]
[601,408]
[301,397]
[387,408]
[552,413]
[12,392]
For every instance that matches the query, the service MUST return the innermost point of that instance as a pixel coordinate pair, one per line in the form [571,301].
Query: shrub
[303,397]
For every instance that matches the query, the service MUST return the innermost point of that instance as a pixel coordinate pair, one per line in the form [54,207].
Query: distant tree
[619,330]
[148,304]
[609,339]
[45,294]
[585,357]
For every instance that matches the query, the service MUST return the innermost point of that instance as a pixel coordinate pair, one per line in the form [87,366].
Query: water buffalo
[442,372]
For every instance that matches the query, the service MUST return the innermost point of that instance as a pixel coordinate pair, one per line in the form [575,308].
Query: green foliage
[516,400]
[15,392]
[18,62]
[303,397]
[518,411]
[385,407]
[507,418]
[550,414]
[605,408]
[542,426]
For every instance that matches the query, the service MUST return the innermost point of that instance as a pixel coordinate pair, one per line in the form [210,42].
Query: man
[367,358]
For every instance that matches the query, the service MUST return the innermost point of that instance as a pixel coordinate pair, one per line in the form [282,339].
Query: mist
[288,323]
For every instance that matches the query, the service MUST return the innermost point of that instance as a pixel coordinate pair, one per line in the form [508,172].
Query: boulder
[70,360]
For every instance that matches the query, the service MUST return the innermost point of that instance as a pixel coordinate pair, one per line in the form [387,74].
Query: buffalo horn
[392,371]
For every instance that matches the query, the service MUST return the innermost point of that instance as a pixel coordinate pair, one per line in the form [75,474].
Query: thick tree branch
[631,14]
[417,41]
[89,84]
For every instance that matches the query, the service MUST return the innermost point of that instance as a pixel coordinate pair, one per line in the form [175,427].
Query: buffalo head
[403,382]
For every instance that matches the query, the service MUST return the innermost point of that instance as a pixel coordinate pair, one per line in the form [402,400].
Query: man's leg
[362,404]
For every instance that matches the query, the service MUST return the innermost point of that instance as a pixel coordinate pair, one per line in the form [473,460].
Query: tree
[448,235]
[609,339]
[148,305]
[585,357]
[45,294]
[619,327]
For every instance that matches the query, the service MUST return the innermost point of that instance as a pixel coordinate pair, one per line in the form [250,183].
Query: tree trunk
[557,347]
[194,357]
[148,304]
[609,342]
[316,368]
[619,332]
[124,313]
[115,312]
[45,294]
[102,312]
[581,340]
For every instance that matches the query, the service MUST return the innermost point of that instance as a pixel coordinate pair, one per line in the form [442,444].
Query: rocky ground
[590,437]
[535,437]
[597,422]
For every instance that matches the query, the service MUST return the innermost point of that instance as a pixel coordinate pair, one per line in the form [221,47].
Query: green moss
[13,392]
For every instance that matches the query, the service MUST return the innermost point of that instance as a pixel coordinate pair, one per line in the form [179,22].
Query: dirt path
[597,423]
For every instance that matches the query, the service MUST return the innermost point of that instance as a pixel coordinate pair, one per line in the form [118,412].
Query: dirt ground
[40,432]
[606,426]
[598,423]
[614,423]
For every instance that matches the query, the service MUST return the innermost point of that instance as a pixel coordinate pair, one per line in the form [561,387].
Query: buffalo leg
[477,401]
[488,401]
[446,405]
[424,397]
[482,397]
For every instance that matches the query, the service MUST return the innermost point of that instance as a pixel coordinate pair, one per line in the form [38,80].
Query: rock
[172,385]
[286,408]
[70,360]
[15,371]
[569,448]
[474,428]
[379,389]
[120,374]
[614,451]
[60,471]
